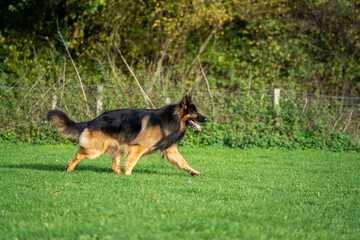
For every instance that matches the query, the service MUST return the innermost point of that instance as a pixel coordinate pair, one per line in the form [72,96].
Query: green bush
[240,121]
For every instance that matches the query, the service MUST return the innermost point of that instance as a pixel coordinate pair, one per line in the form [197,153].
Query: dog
[133,132]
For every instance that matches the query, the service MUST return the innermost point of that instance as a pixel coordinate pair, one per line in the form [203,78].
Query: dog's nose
[205,119]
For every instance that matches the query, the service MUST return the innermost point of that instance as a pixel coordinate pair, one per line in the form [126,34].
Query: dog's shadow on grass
[61,168]
[55,167]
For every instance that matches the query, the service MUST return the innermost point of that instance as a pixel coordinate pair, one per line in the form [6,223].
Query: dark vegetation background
[309,49]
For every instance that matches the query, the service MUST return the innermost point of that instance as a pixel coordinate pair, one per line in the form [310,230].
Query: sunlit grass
[240,194]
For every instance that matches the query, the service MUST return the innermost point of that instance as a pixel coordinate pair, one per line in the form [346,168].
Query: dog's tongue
[195,125]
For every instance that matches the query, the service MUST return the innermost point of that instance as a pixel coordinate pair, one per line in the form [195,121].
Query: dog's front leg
[135,152]
[174,157]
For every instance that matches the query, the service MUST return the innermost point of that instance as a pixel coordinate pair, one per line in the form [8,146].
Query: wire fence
[239,111]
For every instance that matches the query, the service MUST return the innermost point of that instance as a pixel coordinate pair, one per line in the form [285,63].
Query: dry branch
[202,48]
[332,130]
[147,99]
[77,72]
[41,98]
[304,106]
[209,91]
[9,90]
[29,92]
[113,70]
[348,121]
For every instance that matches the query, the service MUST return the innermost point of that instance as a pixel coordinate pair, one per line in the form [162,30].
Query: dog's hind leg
[116,153]
[78,157]
[116,163]
[135,152]
[174,157]
[82,154]
[92,145]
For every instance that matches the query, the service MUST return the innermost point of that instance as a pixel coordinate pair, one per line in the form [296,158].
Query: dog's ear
[186,101]
[189,98]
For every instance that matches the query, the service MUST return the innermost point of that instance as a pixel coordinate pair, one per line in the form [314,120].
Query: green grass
[240,194]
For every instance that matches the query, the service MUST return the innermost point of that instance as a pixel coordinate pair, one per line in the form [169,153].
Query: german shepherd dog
[132,131]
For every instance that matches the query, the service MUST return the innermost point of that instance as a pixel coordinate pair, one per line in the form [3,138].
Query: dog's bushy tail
[65,125]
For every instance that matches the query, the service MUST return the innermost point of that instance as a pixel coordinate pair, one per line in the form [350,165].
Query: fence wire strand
[33,106]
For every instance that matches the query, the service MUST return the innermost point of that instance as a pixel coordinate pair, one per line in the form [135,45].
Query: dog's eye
[192,108]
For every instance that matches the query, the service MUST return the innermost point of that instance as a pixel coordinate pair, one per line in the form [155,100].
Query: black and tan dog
[132,131]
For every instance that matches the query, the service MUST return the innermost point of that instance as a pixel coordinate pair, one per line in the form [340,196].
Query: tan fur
[187,116]
[179,112]
[148,138]
[95,143]
[135,152]
[78,157]
[174,157]
[116,163]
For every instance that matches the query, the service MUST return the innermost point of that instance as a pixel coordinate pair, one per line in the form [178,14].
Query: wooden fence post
[53,102]
[99,101]
[277,106]
[168,100]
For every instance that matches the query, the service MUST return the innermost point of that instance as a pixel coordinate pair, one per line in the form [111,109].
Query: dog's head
[189,113]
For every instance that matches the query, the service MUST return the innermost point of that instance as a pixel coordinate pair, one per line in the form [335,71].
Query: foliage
[243,120]
[303,46]
[310,46]
[249,121]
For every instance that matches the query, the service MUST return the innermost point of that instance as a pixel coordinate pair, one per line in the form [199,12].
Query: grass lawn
[240,194]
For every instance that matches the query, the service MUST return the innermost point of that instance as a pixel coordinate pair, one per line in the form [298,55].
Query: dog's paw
[194,173]
[68,169]
[118,171]
[128,172]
